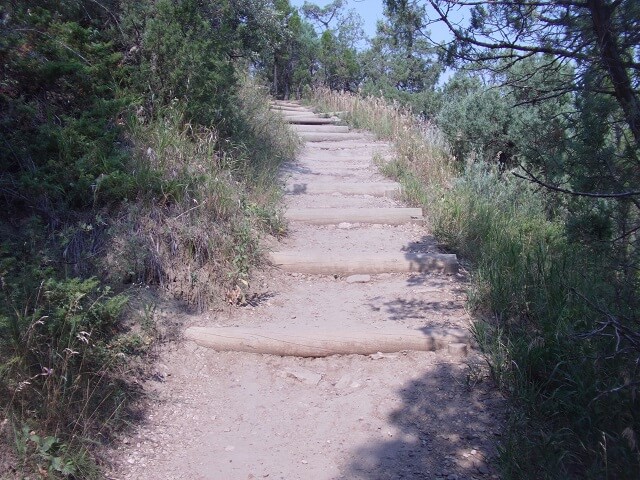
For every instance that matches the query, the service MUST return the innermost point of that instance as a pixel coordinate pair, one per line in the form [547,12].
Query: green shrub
[536,292]
[555,303]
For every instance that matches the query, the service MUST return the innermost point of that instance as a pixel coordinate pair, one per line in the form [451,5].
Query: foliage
[555,321]
[400,63]
[499,124]
[63,357]
[292,64]
[340,31]
[135,153]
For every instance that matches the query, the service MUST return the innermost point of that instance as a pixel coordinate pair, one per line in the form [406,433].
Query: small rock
[303,375]
[304,462]
[457,349]
[360,278]
[229,448]
[344,225]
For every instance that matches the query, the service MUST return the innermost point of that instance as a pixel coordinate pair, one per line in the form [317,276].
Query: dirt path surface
[404,415]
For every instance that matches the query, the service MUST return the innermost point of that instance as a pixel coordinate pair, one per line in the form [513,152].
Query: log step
[320,128]
[299,113]
[285,102]
[324,263]
[311,120]
[376,189]
[328,136]
[320,343]
[290,108]
[328,216]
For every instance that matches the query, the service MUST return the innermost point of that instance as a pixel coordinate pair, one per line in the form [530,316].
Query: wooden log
[285,110]
[329,136]
[310,120]
[328,216]
[300,114]
[329,263]
[376,189]
[299,342]
[320,128]
[285,102]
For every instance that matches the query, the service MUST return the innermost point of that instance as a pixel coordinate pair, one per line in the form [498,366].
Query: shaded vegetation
[136,153]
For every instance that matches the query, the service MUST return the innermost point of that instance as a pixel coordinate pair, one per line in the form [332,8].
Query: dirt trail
[409,415]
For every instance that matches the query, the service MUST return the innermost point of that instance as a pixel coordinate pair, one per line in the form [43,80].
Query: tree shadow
[296,189]
[292,168]
[423,254]
[403,309]
[446,428]
[427,244]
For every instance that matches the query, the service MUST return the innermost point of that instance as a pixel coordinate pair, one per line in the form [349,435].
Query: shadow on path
[446,428]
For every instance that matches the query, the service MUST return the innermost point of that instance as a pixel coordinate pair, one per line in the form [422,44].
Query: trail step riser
[314,343]
[309,120]
[328,137]
[373,189]
[321,128]
[323,263]
[287,108]
[332,216]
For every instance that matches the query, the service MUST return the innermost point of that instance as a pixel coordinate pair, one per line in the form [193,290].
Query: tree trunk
[612,61]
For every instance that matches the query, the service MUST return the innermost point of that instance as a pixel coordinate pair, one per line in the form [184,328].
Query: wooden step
[320,128]
[375,189]
[299,342]
[329,136]
[311,120]
[329,263]
[285,102]
[328,216]
[287,108]
[297,115]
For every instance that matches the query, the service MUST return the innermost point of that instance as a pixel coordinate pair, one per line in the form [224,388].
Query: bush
[63,356]
[556,314]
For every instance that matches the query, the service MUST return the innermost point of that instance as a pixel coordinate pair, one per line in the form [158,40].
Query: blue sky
[371,12]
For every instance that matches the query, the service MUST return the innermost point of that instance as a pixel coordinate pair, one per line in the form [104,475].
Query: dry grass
[574,393]
[423,161]
[195,233]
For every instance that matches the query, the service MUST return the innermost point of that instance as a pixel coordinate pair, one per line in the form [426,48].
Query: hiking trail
[354,362]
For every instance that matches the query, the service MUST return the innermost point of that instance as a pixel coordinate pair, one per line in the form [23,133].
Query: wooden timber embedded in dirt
[378,215]
[300,342]
[320,128]
[375,189]
[285,102]
[311,120]
[328,263]
[328,136]
[299,113]
[293,108]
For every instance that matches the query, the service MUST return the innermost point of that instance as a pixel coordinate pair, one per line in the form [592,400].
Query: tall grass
[538,299]
[421,151]
[194,228]
[184,217]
